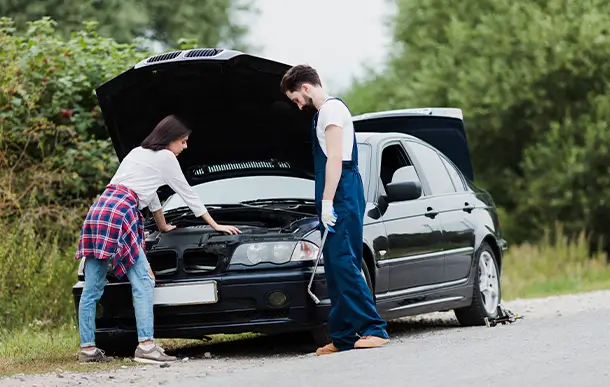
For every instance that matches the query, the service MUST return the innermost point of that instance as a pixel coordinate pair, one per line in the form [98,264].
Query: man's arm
[334,149]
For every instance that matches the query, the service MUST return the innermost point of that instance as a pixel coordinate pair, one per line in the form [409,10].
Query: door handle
[468,207]
[431,212]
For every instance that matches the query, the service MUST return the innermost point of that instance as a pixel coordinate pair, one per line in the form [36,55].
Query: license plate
[191,294]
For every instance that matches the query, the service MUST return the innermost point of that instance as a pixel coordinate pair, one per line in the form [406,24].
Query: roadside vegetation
[39,333]
[531,78]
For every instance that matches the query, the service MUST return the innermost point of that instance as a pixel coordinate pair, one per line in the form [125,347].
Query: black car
[432,239]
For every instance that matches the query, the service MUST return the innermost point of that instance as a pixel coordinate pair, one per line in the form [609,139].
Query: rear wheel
[320,335]
[486,290]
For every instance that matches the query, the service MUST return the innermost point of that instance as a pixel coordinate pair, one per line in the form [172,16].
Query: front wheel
[486,290]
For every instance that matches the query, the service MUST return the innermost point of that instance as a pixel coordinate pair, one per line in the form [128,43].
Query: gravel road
[562,341]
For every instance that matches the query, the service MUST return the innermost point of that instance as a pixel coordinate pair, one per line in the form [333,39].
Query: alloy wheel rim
[489,285]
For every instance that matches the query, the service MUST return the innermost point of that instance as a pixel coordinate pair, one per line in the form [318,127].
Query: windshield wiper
[279,201]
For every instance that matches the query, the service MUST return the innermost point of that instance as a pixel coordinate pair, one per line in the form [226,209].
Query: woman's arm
[161,223]
[176,180]
[157,211]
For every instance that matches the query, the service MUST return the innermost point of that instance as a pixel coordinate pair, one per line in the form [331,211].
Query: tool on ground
[315,268]
[504,316]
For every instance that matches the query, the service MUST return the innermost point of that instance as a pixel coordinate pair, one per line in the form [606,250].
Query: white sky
[334,36]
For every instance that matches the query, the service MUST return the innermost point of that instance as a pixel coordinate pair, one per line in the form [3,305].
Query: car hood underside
[241,123]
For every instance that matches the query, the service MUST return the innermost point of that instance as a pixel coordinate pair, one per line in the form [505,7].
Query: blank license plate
[191,294]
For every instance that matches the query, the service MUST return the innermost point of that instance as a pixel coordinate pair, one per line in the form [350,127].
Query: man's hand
[329,217]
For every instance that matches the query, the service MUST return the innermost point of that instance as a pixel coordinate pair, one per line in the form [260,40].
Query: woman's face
[177,146]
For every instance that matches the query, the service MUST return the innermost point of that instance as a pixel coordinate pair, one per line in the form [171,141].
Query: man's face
[301,98]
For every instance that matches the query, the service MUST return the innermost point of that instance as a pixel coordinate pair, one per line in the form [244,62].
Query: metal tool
[505,316]
[313,296]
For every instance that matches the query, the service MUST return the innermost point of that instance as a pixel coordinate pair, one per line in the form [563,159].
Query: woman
[113,231]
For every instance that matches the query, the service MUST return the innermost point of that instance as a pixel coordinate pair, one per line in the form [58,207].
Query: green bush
[36,277]
[55,152]
[555,265]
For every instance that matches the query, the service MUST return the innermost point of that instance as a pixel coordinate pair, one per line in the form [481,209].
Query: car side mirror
[401,191]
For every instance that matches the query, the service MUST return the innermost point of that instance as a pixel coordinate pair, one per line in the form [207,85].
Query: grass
[530,270]
[553,267]
[34,350]
[31,350]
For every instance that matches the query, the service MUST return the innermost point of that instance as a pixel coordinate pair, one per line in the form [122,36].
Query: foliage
[209,22]
[36,278]
[54,151]
[555,265]
[532,80]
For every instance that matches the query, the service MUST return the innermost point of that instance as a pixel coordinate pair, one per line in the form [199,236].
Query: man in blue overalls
[339,194]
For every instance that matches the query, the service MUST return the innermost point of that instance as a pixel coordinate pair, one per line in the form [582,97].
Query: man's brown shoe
[370,342]
[327,349]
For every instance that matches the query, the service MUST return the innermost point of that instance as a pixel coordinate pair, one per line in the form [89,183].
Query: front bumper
[243,306]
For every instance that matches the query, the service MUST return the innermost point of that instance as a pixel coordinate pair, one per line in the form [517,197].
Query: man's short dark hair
[298,75]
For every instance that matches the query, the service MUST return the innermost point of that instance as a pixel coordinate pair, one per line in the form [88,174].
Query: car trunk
[441,128]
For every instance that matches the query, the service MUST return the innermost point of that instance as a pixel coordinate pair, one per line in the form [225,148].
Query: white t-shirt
[144,171]
[334,112]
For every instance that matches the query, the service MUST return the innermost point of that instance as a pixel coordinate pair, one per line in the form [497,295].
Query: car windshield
[239,189]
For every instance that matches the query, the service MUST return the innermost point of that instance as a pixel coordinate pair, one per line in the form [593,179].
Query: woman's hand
[151,274]
[228,229]
[160,220]
[166,228]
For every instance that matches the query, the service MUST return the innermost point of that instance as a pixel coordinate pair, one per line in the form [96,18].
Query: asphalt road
[552,351]
[562,341]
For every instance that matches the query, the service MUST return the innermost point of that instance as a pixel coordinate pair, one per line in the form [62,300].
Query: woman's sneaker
[153,355]
[95,356]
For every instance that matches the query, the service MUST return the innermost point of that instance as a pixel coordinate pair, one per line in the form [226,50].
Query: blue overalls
[353,310]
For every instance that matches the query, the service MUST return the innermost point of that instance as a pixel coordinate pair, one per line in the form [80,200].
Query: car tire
[320,335]
[484,301]
[121,345]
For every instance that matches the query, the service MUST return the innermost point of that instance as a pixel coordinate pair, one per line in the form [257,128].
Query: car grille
[199,261]
[163,262]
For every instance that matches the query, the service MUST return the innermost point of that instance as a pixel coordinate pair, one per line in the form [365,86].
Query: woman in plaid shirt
[113,232]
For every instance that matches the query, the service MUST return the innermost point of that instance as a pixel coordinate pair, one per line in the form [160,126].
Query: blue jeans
[142,287]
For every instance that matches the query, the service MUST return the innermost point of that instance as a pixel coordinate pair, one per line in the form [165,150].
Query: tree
[209,22]
[55,154]
[531,77]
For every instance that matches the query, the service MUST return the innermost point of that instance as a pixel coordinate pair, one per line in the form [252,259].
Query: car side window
[433,167]
[394,164]
[458,182]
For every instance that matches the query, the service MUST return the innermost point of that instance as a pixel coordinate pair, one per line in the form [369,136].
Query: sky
[334,36]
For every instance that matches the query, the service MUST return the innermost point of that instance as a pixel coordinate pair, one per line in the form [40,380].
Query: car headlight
[251,254]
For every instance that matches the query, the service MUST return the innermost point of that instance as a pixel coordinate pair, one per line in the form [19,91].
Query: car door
[415,256]
[448,187]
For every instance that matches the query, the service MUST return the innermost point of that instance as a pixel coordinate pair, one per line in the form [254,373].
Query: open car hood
[241,122]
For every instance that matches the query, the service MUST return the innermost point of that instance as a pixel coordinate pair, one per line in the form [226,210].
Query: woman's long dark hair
[167,130]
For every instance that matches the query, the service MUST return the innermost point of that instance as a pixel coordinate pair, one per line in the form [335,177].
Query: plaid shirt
[113,229]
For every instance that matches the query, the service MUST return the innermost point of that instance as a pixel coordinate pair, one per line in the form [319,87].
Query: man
[339,194]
